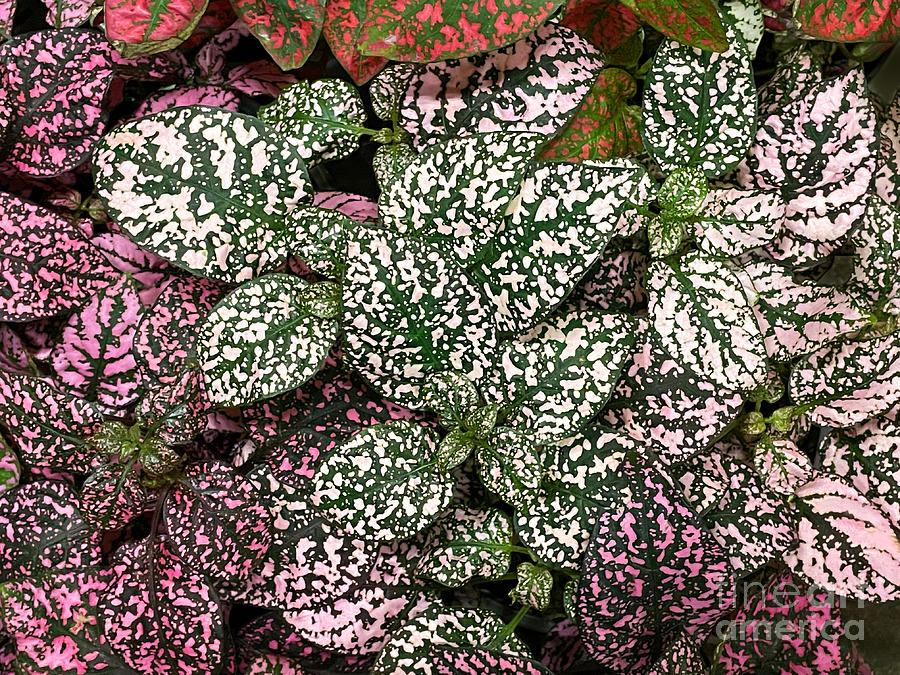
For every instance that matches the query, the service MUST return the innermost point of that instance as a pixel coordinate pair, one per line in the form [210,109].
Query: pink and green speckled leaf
[447,660]
[414,30]
[563,648]
[344,23]
[887,178]
[733,221]
[259,78]
[179,409]
[876,272]
[639,586]
[14,355]
[112,496]
[10,469]
[849,20]
[695,23]
[49,267]
[661,402]
[149,271]
[272,664]
[699,108]
[287,29]
[68,13]
[680,657]
[608,24]
[359,208]
[534,85]
[846,383]
[57,82]
[143,27]
[49,427]
[782,465]
[614,283]
[846,544]
[160,615]
[206,189]
[93,358]
[43,529]
[207,95]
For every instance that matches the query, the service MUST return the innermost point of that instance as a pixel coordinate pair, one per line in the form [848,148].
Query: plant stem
[508,629]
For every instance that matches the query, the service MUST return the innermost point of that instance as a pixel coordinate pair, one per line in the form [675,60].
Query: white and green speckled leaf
[665,236]
[379,485]
[390,161]
[557,227]
[747,17]
[455,193]
[261,340]
[682,192]
[319,238]
[533,586]
[204,188]
[877,250]
[325,117]
[733,221]
[387,89]
[465,544]
[453,396]
[410,312]
[700,106]
[579,478]
[553,379]
[509,465]
[704,320]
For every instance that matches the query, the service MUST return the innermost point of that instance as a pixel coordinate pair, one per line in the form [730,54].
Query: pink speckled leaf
[207,94]
[93,358]
[820,151]
[534,85]
[7,10]
[359,208]
[149,271]
[57,80]
[68,13]
[41,529]
[847,383]
[846,544]
[849,20]
[693,22]
[608,24]
[178,409]
[733,221]
[47,264]
[160,615]
[563,648]
[112,496]
[10,469]
[681,656]
[465,660]
[216,523]
[344,22]
[663,403]
[50,427]
[876,272]
[783,467]
[259,78]
[887,178]
[287,29]
[142,27]
[640,584]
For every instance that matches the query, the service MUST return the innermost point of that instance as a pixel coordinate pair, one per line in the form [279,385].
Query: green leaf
[533,586]
[693,22]
[465,544]
[509,465]
[683,192]
[325,118]
[378,486]
[481,422]
[204,188]
[704,320]
[261,340]
[700,107]
[390,161]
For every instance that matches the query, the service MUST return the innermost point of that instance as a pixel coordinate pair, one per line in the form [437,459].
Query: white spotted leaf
[733,221]
[533,586]
[509,465]
[261,340]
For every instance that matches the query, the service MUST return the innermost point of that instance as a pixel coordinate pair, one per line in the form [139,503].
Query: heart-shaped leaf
[693,22]
[509,465]
[56,81]
[388,89]
[288,30]
[141,27]
[186,184]
[264,316]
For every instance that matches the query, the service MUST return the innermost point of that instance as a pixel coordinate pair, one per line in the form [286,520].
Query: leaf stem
[507,630]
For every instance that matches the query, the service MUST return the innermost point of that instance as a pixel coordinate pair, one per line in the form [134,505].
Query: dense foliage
[425,338]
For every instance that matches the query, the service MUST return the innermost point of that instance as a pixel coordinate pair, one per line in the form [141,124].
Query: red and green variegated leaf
[56,82]
[112,496]
[160,615]
[849,20]
[388,89]
[10,469]
[557,226]
[165,337]
[681,656]
[378,485]
[464,544]
[809,640]
[535,86]
[179,409]
[267,316]
[693,22]
[149,271]
[142,27]
[781,464]
[509,465]
[344,21]
[455,193]
[661,402]
[820,151]
[359,208]
[606,23]
[887,178]
[845,544]
[48,266]
[93,359]
[605,126]
[49,427]
[868,456]
[42,528]
[848,382]
[415,30]
[207,95]
[639,582]
[325,118]
[466,660]
[799,318]
[733,221]
[203,188]
[216,523]
[287,29]
[54,624]
[876,272]
[699,107]
[704,320]
[614,283]
[403,325]
[407,649]
[580,480]
[553,379]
